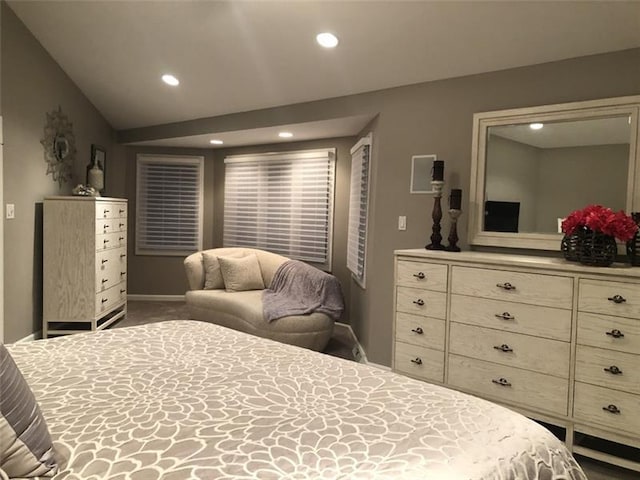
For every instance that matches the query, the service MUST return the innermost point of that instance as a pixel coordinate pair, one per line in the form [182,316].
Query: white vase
[96,177]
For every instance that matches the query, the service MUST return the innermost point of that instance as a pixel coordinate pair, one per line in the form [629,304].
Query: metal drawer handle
[506,286]
[503,382]
[122,291]
[120,211]
[611,409]
[419,275]
[105,241]
[504,348]
[505,316]
[613,370]
[120,225]
[419,302]
[104,300]
[122,255]
[617,299]
[417,330]
[104,280]
[120,239]
[106,211]
[104,260]
[615,333]
[417,360]
[123,273]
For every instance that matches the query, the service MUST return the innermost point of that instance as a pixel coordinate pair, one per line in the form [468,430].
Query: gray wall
[32,85]
[434,117]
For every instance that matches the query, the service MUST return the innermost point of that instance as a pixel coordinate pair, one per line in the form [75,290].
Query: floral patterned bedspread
[190,400]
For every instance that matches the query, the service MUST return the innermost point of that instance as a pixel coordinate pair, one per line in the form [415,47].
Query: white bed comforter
[190,400]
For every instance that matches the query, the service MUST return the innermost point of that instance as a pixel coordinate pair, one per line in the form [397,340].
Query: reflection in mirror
[537,173]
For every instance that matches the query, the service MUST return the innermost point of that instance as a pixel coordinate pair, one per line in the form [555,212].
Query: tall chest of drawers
[558,341]
[84,263]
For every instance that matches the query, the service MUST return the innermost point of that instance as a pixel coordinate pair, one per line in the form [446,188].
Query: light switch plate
[402,222]
[11,211]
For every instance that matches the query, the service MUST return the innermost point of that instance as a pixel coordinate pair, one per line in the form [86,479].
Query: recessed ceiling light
[536,126]
[285,134]
[215,141]
[327,40]
[170,80]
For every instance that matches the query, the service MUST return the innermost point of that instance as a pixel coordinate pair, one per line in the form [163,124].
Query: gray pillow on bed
[26,449]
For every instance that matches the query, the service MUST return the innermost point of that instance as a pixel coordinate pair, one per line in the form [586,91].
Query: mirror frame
[565,111]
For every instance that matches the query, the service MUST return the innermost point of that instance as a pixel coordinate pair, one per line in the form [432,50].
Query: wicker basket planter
[569,247]
[633,245]
[595,248]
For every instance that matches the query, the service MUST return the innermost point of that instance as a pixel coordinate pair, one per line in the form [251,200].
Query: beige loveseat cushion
[241,274]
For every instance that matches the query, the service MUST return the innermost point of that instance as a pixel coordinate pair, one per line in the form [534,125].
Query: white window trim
[361,280]
[158,158]
[301,155]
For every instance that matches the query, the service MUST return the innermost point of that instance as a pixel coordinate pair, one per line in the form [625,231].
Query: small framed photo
[421,170]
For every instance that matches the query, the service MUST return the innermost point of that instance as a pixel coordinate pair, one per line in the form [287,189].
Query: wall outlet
[402,222]
[11,211]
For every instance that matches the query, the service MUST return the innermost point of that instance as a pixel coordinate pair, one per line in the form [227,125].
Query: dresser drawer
[609,298]
[420,331]
[110,298]
[544,322]
[510,385]
[531,288]
[111,268]
[106,210]
[593,404]
[608,368]
[111,225]
[523,351]
[614,333]
[111,240]
[422,302]
[430,276]
[419,362]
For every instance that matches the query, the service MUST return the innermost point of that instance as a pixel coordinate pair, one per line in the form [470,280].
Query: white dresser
[84,263]
[558,341]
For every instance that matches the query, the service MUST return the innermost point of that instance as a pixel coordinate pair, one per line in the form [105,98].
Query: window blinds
[169,204]
[358,206]
[281,202]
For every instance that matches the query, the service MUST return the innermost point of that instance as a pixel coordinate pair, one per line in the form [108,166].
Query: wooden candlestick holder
[454,213]
[436,215]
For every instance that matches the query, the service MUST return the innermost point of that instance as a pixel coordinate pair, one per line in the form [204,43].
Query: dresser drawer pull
[105,241]
[615,333]
[503,382]
[105,212]
[417,361]
[120,239]
[613,370]
[419,302]
[104,300]
[104,280]
[419,275]
[506,286]
[104,260]
[611,409]
[503,348]
[122,291]
[122,255]
[123,273]
[120,211]
[417,330]
[505,316]
[617,299]
[120,225]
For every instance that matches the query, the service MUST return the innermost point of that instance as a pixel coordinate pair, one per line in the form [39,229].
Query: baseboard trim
[155,298]
[30,338]
[360,356]
[377,365]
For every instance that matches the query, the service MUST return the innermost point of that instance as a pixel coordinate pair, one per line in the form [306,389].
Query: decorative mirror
[531,167]
[59,145]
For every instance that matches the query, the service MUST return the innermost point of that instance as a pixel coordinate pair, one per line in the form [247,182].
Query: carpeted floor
[341,345]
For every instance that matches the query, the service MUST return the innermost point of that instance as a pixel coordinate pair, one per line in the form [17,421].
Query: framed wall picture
[421,169]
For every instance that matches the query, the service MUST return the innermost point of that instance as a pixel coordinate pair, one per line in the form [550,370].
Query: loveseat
[235,299]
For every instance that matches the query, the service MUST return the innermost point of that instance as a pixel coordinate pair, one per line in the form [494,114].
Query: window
[281,202]
[169,204]
[358,207]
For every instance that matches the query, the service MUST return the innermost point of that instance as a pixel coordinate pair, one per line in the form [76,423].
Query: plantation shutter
[358,208]
[169,204]
[281,202]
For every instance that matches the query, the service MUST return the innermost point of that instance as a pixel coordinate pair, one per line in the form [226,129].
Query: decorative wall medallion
[59,144]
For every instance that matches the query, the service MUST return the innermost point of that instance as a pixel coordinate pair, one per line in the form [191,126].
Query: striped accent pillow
[26,449]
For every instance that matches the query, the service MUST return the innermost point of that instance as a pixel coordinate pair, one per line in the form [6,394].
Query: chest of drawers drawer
[510,385]
[614,333]
[609,408]
[609,298]
[111,240]
[419,362]
[523,351]
[429,276]
[531,288]
[608,368]
[512,317]
[421,302]
[111,225]
[111,268]
[110,298]
[111,210]
[421,331]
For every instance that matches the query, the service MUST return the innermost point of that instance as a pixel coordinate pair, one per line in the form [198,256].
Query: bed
[184,400]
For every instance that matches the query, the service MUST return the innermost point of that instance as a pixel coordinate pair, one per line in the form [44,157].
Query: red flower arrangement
[601,219]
